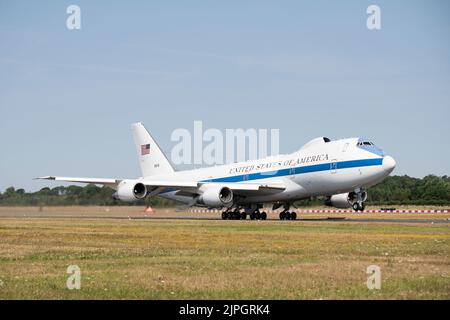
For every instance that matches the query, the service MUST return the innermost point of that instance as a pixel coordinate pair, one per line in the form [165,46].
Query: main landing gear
[231,215]
[253,212]
[237,214]
[286,215]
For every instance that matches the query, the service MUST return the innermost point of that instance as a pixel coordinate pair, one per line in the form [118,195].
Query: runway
[324,219]
[327,219]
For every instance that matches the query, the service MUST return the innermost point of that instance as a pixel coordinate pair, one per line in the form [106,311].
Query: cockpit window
[365,143]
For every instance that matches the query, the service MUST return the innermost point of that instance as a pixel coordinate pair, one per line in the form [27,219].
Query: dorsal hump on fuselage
[315,142]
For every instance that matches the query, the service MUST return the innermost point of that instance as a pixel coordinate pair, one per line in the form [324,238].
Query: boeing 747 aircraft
[340,170]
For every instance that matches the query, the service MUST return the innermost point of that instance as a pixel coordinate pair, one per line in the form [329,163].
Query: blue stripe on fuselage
[300,170]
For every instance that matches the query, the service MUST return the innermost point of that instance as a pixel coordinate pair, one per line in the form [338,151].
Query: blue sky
[311,69]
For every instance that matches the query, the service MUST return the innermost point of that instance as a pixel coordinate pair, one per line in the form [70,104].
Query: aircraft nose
[388,164]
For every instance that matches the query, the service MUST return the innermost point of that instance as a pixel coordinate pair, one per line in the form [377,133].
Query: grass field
[179,259]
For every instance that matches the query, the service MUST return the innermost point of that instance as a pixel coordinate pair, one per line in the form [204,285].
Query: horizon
[52,185]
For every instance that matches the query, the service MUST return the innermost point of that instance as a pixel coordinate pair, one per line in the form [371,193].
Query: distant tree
[435,188]
[45,191]
[59,191]
[73,190]
[10,191]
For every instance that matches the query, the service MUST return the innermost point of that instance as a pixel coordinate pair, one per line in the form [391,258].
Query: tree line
[394,190]
[72,195]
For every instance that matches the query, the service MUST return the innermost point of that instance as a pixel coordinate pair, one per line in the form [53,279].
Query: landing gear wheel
[224,215]
[282,215]
[293,215]
[252,216]
[288,215]
[355,206]
[257,215]
[243,216]
[263,215]
[362,207]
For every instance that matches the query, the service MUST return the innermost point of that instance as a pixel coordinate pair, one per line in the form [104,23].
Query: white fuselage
[318,169]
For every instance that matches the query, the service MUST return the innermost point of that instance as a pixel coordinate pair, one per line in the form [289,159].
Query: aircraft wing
[191,188]
[107,182]
[252,188]
[183,187]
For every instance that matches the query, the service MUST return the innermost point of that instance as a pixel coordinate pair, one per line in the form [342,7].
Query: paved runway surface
[324,219]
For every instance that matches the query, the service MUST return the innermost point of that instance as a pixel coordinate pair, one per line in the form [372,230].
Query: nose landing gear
[359,206]
[360,196]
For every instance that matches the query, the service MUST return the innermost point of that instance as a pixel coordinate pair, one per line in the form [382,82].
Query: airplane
[341,171]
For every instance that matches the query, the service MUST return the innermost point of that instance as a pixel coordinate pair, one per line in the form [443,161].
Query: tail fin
[151,159]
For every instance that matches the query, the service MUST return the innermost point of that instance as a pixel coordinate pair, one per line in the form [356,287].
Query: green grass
[157,259]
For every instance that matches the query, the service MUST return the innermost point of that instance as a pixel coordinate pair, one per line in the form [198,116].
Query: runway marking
[337,211]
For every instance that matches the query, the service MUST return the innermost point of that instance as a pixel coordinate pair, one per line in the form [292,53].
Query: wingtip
[45,178]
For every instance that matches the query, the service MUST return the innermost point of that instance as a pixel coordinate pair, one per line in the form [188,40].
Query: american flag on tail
[145,149]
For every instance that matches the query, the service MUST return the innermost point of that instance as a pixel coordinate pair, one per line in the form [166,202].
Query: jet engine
[215,196]
[344,200]
[130,191]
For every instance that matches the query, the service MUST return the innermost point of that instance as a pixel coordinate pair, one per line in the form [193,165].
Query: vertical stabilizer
[151,159]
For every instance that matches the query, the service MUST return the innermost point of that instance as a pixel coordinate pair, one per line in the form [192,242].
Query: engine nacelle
[344,200]
[215,196]
[130,191]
